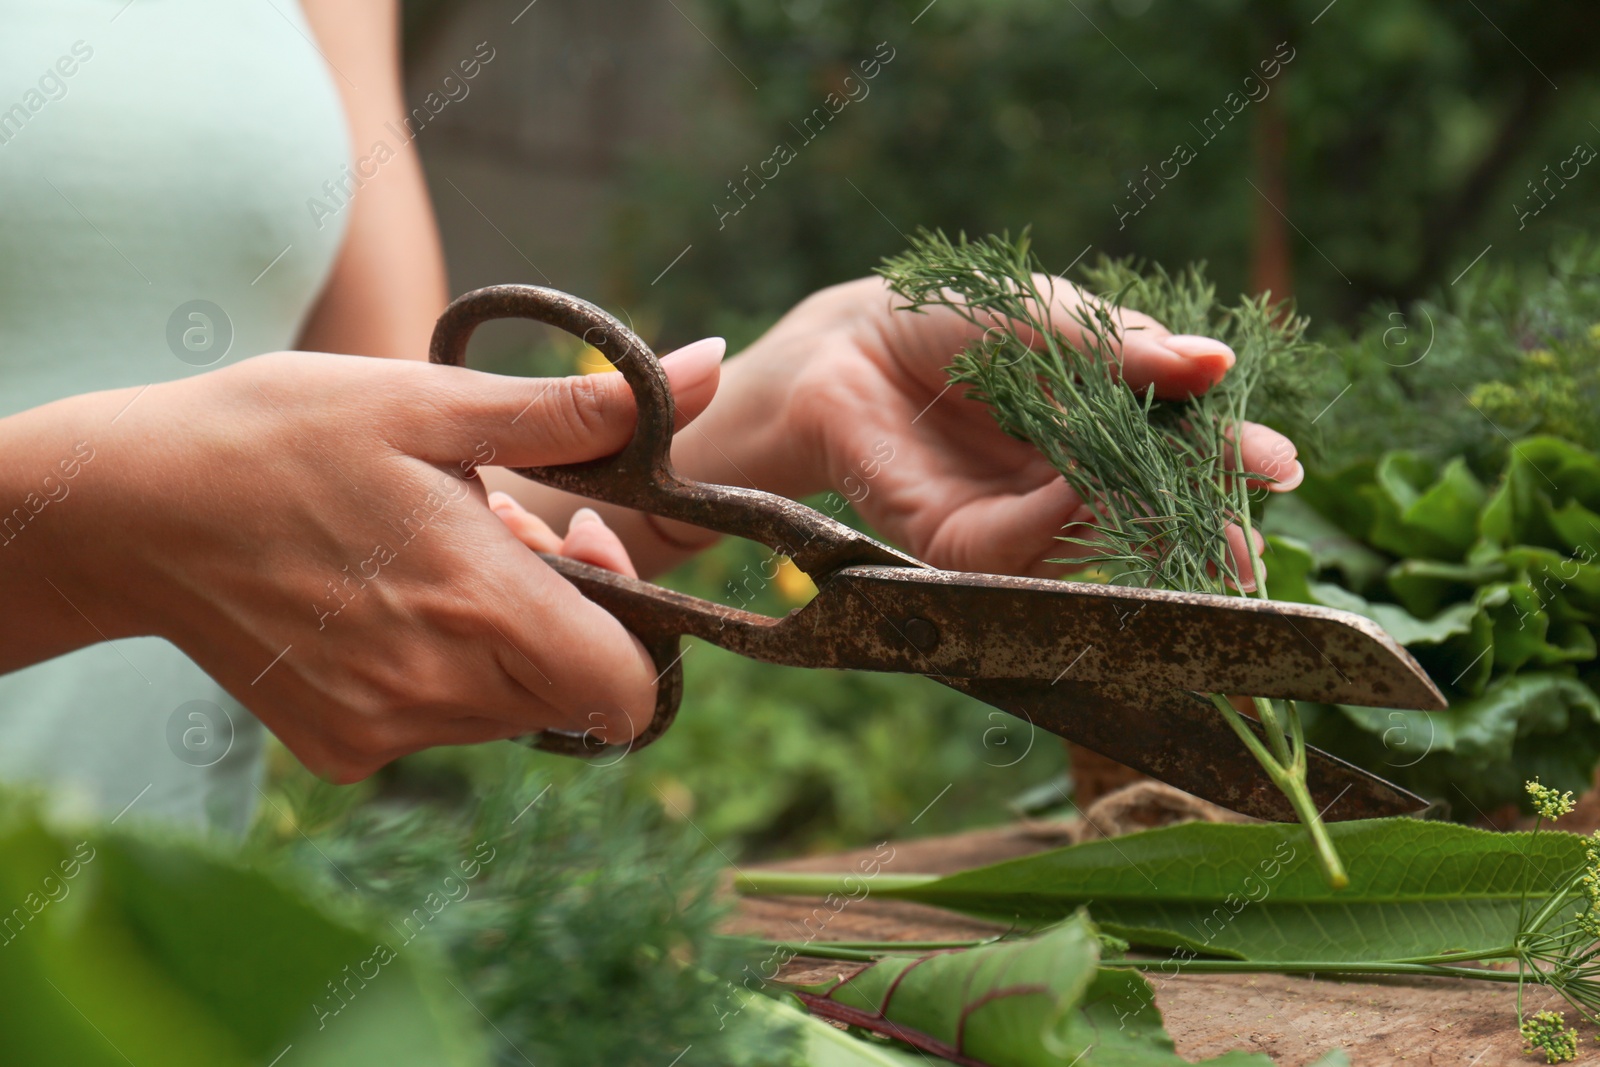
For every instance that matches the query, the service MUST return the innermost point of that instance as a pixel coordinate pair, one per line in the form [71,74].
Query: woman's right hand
[310,530]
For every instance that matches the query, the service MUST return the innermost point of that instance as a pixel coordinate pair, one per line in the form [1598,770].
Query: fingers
[590,540]
[1178,365]
[694,371]
[1266,451]
[574,659]
[1242,556]
[529,528]
[1006,533]
[451,412]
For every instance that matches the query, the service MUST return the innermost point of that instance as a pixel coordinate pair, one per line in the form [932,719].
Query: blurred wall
[524,167]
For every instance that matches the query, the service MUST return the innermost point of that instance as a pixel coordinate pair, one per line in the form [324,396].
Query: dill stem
[868,951]
[1248,736]
[1331,968]
[1291,780]
[1299,795]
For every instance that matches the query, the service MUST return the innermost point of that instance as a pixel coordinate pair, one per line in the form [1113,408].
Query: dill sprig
[580,923]
[1158,476]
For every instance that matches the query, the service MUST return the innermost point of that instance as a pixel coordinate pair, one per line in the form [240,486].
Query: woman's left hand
[867,411]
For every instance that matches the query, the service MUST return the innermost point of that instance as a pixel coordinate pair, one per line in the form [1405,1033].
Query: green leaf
[1254,892]
[1290,565]
[1423,586]
[1291,516]
[821,1044]
[1421,511]
[1490,740]
[167,953]
[1403,626]
[1041,1002]
[1544,478]
[1338,497]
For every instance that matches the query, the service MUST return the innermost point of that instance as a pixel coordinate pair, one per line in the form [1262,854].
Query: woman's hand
[588,540]
[867,412]
[310,529]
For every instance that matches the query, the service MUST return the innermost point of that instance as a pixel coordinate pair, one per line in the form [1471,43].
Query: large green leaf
[1253,891]
[822,1044]
[1291,516]
[1042,1002]
[1534,504]
[121,949]
[1338,496]
[1423,586]
[1526,725]
[1420,510]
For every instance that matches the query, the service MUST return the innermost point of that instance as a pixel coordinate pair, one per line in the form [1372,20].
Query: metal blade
[953,625]
[1180,739]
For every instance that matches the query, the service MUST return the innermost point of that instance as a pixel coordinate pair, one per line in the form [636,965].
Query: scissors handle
[641,475]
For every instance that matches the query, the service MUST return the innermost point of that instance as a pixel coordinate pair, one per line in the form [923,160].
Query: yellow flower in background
[1549,803]
[793,583]
[677,799]
[1543,358]
[590,361]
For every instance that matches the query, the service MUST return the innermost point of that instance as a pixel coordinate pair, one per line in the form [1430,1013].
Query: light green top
[152,153]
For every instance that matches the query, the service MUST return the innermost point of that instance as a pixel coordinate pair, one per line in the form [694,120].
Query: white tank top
[156,162]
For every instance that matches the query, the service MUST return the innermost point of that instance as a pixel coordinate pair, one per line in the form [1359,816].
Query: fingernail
[693,361]
[1296,476]
[499,501]
[1191,346]
[583,515]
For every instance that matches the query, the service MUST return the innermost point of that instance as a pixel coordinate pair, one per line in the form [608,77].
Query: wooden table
[1294,1020]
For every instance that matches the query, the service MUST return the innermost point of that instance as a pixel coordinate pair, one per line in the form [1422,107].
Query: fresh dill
[1158,475]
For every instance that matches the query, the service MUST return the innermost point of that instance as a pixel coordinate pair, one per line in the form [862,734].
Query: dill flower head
[1546,1032]
[1589,886]
[1549,803]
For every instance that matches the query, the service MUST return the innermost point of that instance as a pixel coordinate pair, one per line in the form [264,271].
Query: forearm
[56,601]
[388,284]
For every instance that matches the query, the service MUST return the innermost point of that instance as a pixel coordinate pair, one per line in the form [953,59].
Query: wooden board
[1294,1020]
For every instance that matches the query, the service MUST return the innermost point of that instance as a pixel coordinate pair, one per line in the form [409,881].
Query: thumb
[545,421]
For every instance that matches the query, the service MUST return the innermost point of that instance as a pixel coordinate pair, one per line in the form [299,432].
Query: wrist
[55,545]
[781,399]
[749,435]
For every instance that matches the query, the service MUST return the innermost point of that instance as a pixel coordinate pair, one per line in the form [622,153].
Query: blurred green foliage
[1474,545]
[129,946]
[577,921]
[1409,133]
[1510,350]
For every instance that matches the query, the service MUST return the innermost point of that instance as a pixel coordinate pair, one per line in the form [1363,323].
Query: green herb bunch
[1154,472]
[586,933]
[1158,475]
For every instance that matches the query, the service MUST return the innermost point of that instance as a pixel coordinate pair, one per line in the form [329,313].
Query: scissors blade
[953,625]
[1182,740]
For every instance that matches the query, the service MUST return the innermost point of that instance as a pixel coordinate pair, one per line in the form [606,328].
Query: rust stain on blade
[953,625]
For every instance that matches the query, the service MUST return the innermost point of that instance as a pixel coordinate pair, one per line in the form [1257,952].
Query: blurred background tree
[1392,146]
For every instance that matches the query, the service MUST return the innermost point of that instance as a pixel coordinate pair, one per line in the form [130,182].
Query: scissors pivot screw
[923,635]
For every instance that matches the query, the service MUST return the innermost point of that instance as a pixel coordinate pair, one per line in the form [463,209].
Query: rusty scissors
[1113,668]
